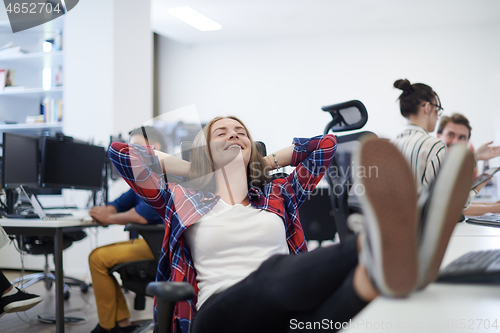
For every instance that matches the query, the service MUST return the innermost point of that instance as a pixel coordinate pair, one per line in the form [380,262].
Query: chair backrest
[339,177]
[316,216]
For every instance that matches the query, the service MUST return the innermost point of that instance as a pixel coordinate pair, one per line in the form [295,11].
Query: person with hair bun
[420,104]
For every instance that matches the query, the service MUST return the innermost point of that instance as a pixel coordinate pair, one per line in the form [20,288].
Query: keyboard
[489,220]
[473,267]
[58,215]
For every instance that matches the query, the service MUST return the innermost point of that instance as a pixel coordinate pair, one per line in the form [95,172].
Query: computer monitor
[20,161]
[67,164]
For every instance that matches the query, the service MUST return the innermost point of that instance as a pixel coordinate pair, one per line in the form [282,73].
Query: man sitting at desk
[456,129]
[112,310]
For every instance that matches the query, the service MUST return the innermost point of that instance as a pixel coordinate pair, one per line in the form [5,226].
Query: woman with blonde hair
[235,235]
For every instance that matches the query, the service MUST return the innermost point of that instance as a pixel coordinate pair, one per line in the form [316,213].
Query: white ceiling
[247,20]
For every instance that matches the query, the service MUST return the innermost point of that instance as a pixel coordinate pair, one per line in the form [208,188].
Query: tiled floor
[79,305]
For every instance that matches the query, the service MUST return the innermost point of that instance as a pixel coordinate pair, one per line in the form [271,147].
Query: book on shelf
[52,110]
[7,77]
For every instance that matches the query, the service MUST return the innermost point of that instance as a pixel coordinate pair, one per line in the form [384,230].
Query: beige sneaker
[444,203]
[389,203]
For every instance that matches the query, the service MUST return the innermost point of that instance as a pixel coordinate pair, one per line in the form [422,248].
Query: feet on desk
[440,210]
[20,301]
[389,201]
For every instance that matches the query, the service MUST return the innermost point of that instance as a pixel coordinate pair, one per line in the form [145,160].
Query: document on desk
[4,238]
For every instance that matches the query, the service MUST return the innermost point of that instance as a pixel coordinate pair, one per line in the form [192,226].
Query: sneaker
[20,301]
[389,203]
[444,203]
[100,329]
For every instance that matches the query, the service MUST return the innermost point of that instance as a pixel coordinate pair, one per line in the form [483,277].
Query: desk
[36,227]
[441,307]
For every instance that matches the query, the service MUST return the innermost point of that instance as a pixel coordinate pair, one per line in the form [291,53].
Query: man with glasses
[457,129]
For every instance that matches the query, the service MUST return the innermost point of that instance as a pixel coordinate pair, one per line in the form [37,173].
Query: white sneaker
[20,301]
[439,215]
[389,204]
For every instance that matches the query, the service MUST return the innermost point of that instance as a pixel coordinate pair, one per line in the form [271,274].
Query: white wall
[278,87]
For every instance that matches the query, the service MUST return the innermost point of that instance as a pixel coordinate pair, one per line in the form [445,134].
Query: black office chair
[347,116]
[136,275]
[45,245]
[317,218]
[351,115]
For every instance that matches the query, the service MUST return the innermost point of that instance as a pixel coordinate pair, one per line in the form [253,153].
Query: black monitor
[20,161]
[67,164]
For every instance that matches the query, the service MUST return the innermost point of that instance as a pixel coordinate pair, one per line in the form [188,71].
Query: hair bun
[404,85]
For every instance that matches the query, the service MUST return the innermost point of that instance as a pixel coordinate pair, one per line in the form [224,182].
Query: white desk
[36,227]
[441,307]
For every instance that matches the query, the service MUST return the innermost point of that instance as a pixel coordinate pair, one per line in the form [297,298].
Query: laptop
[45,216]
[491,220]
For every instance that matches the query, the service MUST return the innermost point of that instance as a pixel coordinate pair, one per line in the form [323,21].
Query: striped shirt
[181,207]
[424,152]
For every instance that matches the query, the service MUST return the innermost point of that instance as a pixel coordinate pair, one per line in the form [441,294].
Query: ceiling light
[195,19]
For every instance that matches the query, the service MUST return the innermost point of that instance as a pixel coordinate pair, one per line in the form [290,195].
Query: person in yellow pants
[112,309]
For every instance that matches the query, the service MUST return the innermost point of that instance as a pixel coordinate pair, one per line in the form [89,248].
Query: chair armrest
[171,291]
[144,227]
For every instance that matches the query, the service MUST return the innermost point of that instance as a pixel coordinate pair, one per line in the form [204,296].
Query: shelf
[32,92]
[35,55]
[37,129]
[14,127]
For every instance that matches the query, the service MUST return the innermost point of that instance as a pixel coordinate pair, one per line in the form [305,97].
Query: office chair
[351,115]
[136,275]
[316,216]
[45,246]
[347,116]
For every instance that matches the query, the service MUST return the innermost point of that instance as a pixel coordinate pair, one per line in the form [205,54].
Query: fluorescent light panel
[195,19]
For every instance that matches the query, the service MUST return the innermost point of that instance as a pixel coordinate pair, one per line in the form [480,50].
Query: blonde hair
[203,167]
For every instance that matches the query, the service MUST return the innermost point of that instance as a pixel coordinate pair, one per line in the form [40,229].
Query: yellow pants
[110,302]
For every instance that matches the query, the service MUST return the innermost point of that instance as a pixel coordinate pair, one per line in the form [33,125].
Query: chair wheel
[84,288]
[67,292]
[48,285]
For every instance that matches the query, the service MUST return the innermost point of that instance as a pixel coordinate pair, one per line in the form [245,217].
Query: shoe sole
[390,207]
[446,203]
[22,305]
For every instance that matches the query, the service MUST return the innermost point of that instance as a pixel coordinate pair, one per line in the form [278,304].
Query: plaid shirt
[182,206]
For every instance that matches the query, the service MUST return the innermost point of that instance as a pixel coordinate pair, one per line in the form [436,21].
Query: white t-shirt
[230,242]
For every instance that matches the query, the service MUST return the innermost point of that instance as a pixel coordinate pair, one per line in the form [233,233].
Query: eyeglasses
[439,108]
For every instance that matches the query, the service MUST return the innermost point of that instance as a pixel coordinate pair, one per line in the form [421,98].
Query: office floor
[79,305]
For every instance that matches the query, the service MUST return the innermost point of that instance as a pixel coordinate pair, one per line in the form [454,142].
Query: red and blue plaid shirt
[181,206]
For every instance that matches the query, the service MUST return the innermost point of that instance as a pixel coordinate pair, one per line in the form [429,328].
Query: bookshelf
[31,85]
